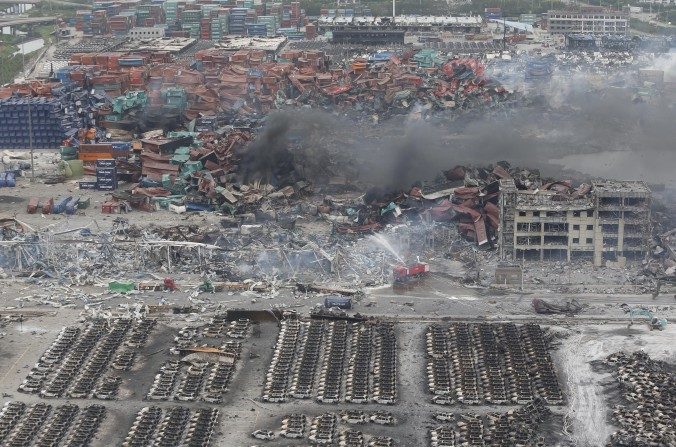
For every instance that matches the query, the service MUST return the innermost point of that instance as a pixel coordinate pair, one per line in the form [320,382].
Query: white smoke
[666,62]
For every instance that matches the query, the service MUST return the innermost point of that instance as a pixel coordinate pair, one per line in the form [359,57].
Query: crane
[642,312]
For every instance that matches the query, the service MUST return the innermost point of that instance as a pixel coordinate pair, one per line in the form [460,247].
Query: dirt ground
[588,406]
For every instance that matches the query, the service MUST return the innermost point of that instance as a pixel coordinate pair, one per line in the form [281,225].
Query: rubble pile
[467,197]
[242,84]
[273,233]
[648,387]
[663,264]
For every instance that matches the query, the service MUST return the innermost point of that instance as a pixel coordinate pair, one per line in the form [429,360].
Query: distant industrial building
[587,21]
[470,24]
[368,37]
[608,221]
[658,2]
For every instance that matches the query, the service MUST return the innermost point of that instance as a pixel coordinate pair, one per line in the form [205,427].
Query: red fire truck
[405,273]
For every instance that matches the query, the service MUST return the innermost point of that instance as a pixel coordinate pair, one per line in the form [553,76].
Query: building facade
[146,32]
[471,24]
[658,2]
[587,22]
[610,221]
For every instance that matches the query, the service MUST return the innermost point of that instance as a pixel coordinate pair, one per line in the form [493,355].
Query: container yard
[247,223]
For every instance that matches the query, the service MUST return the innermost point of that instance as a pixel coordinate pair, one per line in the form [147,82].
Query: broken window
[632,229]
[528,227]
[555,255]
[609,214]
[556,240]
[611,201]
[582,255]
[631,215]
[522,213]
[634,201]
[533,255]
[556,227]
[590,240]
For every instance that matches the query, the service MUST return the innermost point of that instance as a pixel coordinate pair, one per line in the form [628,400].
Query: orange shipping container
[88,59]
[114,61]
[93,156]
[102,60]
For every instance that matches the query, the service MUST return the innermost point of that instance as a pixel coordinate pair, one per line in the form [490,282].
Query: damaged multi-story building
[609,221]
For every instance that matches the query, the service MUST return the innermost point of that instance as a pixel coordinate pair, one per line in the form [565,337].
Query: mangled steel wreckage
[264,231]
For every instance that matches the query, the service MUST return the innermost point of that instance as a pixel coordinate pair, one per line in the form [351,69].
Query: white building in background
[658,2]
[588,21]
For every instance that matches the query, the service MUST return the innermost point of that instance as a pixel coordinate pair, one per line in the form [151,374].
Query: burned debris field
[238,223]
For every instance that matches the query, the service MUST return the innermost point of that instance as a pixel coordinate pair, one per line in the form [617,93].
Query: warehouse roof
[252,43]
[403,20]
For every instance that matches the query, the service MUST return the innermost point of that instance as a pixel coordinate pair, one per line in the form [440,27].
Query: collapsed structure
[604,221]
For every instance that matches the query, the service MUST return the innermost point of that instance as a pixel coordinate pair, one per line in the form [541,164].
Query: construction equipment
[642,312]
[404,273]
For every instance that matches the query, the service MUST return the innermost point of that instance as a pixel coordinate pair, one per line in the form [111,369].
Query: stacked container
[122,23]
[237,21]
[83,21]
[144,12]
[99,22]
[219,25]
[171,11]
[48,122]
[175,96]
[310,31]
[258,30]
[106,175]
[205,29]
[271,22]
[190,21]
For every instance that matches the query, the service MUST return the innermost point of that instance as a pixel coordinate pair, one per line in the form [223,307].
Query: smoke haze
[570,117]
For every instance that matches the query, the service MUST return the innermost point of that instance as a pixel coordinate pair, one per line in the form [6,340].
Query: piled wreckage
[258,238]
[244,86]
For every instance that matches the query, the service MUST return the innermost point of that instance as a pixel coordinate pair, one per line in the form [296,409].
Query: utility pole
[30,140]
[504,32]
